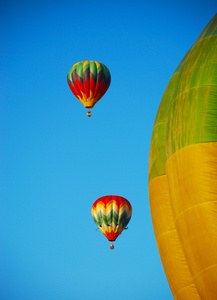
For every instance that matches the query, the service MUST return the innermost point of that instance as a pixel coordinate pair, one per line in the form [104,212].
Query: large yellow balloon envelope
[183,173]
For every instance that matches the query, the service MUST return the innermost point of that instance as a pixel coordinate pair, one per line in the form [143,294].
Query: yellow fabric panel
[170,249]
[192,178]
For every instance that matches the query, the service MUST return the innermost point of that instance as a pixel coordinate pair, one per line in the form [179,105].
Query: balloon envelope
[111,214]
[183,173]
[89,81]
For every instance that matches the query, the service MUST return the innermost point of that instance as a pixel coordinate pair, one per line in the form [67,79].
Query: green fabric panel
[93,68]
[192,94]
[99,219]
[99,68]
[210,29]
[123,219]
[178,69]
[86,66]
[112,217]
[157,157]
[79,69]
[192,114]
[75,67]
[105,71]
[70,73]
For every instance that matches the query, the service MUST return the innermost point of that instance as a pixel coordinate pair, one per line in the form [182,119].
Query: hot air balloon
[111,214]
[89,81]
[183,173]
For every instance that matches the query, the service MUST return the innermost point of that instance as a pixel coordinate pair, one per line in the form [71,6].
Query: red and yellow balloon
[111,214]
[89,81]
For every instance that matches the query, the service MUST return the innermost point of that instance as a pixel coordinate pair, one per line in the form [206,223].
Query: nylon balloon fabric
[183,173]
[89,81]
[111,214]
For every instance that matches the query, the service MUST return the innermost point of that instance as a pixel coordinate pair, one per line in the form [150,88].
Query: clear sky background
[55,161]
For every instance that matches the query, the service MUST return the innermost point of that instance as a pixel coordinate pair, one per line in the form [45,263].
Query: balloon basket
[89,113]
[111,246]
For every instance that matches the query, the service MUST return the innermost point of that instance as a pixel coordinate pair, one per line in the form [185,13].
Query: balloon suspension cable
[111,246]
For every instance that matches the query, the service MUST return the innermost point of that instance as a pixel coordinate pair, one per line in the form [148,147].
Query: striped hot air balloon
[183,173]
[89,81]
[111,214]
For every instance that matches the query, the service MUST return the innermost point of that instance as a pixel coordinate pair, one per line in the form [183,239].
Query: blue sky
[55,161]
